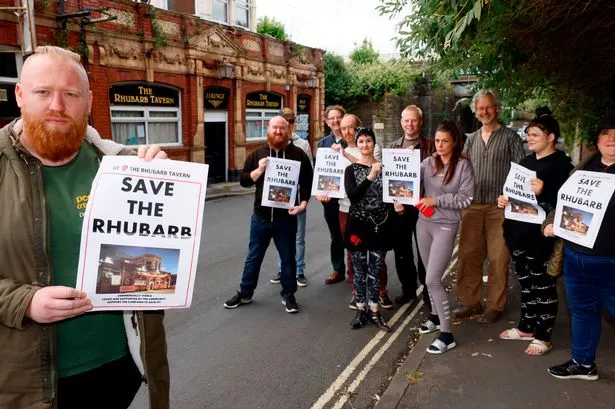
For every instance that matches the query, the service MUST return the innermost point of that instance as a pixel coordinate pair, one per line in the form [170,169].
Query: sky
[334,25]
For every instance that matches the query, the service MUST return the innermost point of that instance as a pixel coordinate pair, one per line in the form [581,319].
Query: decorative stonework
[304,60]
[215,39]
[251,45]
[168,27]
[113,54]
[124,18]
[278,74]
[169,61]
[276,50]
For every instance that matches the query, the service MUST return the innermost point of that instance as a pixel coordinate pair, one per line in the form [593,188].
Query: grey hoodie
[450,198]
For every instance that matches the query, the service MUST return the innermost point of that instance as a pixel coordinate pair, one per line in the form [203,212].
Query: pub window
[242,13]
[219,10]
[256,123]
[145,125]
[10,67]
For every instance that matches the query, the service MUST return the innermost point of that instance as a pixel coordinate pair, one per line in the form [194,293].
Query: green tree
[558,52]
[337,80]
[364,54]
[272,27]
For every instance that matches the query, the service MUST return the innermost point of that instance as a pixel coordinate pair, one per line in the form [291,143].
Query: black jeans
[332,217]
[407,271]
[112,385]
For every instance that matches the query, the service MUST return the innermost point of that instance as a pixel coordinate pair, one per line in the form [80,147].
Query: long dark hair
[449,126]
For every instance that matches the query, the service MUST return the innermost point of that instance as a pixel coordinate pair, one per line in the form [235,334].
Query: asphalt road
[259,356]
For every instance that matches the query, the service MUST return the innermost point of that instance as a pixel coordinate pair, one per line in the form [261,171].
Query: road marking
[329,394]
[357,381]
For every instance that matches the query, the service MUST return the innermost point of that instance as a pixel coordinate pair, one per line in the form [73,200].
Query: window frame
[263,118]
[243,5]
[227,17]
[147,119]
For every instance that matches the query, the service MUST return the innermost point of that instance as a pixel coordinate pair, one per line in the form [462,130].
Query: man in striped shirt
[491,149]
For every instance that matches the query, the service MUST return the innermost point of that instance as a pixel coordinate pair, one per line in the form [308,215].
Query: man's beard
[49,142]
[275,143]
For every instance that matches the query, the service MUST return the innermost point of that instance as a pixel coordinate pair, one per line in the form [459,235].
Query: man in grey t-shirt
[491,149]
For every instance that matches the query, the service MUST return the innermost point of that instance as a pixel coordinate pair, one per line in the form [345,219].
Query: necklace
[379,224]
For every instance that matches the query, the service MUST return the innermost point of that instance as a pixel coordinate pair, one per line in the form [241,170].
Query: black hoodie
[553,170]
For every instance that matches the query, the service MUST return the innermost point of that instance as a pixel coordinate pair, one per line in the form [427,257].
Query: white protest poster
[522,205]
[141,234]
[581,204]
[329,173]
[401,175]
[281,180]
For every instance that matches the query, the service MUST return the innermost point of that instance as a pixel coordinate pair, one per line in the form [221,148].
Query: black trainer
[237,300]
[275,279]
[290,303]
[573,370]
[385,302]
[404,298]
[302,280]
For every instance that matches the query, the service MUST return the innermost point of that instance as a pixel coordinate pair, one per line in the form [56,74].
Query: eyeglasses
[364,131]
[333,118]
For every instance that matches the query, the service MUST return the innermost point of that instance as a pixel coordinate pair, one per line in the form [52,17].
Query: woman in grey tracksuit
[448,183]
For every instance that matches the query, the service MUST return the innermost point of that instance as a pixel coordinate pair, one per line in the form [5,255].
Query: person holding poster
[448,182]
[279,224]
[302,280]
[54,355]
[334,115]
[348,125]
[529,249]
[368,229]
[491,149]
[589,273]
[405,222]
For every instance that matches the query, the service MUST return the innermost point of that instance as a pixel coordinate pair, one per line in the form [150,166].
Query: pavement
[226,189]
[486,372]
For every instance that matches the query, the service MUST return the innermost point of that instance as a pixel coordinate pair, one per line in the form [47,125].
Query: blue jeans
[261,232]
[300,243]
[590,285]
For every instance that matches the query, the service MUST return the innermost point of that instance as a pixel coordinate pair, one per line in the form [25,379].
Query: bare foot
[538,347]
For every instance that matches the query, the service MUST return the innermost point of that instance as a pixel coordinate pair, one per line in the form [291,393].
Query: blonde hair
[60,54]
[414,108]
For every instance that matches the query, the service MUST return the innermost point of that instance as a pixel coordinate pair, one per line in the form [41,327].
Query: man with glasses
[334,115]
[491,149]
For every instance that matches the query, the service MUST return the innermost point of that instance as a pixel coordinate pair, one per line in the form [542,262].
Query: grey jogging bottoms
[436,242]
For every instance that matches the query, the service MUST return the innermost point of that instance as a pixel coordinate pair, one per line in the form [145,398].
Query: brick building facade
[156,77]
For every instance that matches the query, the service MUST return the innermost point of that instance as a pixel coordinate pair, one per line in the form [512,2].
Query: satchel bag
[555,268]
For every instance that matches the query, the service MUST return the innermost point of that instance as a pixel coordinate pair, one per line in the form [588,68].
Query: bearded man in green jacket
[53,354]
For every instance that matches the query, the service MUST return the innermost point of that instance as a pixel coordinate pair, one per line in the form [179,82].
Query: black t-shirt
[553,170]
[605,241]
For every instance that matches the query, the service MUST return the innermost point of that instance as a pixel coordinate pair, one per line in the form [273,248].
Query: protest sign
[281,180]
[141,234]
[329,173]
[522,203]
[401,176]
[581,204]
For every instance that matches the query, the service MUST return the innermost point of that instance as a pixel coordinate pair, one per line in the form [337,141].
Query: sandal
[440,347]
[542,347]
[513,334]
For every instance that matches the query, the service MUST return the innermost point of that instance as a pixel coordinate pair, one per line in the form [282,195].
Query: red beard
[277,143]
[51,143]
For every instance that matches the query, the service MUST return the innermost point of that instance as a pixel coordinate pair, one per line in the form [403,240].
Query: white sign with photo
[401,175]
[581,204]
[281,180]
[141,234]
[329,173]
[522,205]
